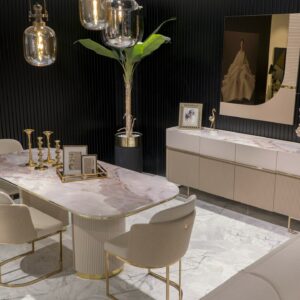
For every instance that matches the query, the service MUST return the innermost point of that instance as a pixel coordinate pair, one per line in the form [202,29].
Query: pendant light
[92,14]
[124,27]
[39,40]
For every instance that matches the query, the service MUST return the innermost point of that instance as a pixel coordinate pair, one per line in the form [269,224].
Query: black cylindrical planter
[129,151]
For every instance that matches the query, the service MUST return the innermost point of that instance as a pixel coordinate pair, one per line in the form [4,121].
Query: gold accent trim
[45,276]
[123,141]
[235,163]
[98,277]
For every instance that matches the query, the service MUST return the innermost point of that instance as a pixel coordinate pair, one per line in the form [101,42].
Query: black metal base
[129,158]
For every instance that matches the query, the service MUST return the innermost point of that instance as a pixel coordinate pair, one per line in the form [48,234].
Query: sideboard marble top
[242,139]
[122,193]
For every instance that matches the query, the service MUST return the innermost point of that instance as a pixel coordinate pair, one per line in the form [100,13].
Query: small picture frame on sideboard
[190,115]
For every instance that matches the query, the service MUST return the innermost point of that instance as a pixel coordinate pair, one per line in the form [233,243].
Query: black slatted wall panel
[81,96]
[74,97]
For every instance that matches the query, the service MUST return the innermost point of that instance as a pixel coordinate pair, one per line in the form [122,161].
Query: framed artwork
[190,115]
[72,159]
[89,164]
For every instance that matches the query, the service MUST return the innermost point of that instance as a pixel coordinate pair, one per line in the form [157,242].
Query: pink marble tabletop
[122,193]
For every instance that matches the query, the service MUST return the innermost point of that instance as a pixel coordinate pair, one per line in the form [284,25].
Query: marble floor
[225,240]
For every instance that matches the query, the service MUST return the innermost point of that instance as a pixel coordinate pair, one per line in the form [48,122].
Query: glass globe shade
[92,14]
[39,45]
[124,26]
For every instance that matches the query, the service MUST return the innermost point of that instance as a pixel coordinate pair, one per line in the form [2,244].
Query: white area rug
[223,242]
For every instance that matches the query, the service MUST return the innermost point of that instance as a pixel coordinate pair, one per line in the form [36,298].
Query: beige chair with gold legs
[20,224]
[9,146]
[159,244]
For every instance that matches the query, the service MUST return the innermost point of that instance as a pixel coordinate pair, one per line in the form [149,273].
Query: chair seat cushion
[44,224]
[244,286]
[8,188]
[282,268]
[118,245]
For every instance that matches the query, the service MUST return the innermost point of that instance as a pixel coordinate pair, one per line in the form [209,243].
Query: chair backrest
[5,198]
[10,146]
[16,226]
[165,239]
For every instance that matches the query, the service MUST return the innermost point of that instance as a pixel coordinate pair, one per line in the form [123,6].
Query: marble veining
[123,192]
[242,139]
[223,242]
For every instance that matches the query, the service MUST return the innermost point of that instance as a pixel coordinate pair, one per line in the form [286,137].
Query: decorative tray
[101,173]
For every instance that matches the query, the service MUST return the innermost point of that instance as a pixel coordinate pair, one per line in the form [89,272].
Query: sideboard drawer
[287,196]
[254,187]
[216,177]
[183,168]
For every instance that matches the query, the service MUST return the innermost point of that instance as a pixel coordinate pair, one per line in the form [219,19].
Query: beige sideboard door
[216,177]
[254,187]
[183,168]
[287,196]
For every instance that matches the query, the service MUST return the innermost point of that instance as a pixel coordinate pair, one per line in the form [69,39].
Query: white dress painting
[239,82]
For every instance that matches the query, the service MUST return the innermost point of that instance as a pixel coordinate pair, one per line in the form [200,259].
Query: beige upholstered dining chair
[22,224]
[9,146]
[158,244]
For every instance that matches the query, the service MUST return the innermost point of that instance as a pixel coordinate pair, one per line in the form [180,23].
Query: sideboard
[253,170]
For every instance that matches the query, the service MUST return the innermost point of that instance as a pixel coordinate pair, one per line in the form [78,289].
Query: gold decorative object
[29,132]
[40,165]
[213,119]
[57,163]
[101,173]
[49,160]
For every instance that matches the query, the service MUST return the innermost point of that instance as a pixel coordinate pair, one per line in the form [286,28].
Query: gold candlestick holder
[49,160]
[41,165]
[31,162]
[58,163]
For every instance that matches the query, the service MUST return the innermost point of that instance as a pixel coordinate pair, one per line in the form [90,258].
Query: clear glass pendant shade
[92,14]
[39,41]
[124,24]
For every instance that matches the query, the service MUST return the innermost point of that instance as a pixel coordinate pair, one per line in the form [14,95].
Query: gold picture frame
[89,164]
[190,115]
[72,159]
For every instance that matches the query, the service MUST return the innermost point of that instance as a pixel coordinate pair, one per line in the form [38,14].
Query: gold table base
[98,276]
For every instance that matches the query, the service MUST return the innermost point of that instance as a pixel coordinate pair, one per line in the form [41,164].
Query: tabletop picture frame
[72,159]
[190,115]
[89,164]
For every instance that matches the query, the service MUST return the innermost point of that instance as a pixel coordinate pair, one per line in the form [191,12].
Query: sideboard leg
[290,226]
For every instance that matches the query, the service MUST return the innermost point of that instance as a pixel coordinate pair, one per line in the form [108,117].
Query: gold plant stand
[30,163]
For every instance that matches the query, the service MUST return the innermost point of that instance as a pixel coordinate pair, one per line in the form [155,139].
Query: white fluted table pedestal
[89,236]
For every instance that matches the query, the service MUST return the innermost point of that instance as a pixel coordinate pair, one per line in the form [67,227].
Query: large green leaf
[162,24]
[135,53]
[98,48]
[153,42]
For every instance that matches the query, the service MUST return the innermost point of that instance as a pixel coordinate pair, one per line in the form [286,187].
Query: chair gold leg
[28,253]
[171,283]
[167,283]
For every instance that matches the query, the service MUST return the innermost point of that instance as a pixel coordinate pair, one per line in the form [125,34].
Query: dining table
[98,207]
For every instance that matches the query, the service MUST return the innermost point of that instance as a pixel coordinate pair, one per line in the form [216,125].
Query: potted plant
[128,147]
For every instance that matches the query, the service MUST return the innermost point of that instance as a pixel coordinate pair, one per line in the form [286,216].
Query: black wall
[81,96]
